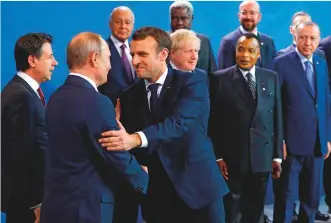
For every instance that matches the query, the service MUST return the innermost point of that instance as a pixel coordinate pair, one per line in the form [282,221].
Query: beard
[248,27]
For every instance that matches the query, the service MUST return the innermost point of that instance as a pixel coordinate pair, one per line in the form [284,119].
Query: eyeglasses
[252,13]
[182,18]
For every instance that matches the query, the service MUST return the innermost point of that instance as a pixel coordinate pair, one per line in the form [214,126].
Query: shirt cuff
[277,160]
[36,206]
[144,142]
[219,159]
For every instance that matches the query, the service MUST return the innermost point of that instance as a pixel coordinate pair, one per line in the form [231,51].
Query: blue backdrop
[63,20]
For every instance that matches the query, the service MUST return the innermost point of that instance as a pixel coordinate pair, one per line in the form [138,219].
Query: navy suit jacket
[206,59]
[23,143]
[304,115]
[246,133]
[81,175]
[227,51]
[325,45]
[117,79]
[180,135]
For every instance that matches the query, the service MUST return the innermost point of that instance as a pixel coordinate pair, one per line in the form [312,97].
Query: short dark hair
[29,44]
[161,37]
[250,36]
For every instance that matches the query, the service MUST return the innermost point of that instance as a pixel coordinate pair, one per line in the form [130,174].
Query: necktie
[41,95]
[126,64]
[154,98]
[251,84]
[310,76]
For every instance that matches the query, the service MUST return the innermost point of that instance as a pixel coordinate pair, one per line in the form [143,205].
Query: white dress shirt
[160,81]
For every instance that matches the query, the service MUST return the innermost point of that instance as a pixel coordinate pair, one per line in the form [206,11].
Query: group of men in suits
[164,116]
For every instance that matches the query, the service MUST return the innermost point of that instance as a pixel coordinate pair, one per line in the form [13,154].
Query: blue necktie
[153,100]
[310,76]
[126,64]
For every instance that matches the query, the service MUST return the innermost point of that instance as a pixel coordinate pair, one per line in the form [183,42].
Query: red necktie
[41,95]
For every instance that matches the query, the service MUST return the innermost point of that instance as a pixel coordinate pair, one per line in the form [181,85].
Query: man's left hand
[276,169]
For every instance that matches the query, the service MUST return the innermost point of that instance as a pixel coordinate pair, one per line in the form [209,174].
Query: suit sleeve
[278,122]
[192,102]
[27,153]
[225,54]
[101,117]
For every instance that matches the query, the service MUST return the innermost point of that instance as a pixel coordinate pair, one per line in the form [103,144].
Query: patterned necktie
[154,97]
[251,84]
[126,64]
[310,76]
[41,95]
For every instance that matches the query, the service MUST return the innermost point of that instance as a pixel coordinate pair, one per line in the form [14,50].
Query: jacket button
[266,127]
[270,110]
[266,143]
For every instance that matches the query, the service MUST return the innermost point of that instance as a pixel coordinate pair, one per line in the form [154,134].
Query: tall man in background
[249,16]
[181,15]
[121,76]
[23,135]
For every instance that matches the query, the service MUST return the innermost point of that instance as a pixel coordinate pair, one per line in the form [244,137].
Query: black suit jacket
[206,56]
[117,79]
[245,133]
[325,45]
[22,146]
[227,51]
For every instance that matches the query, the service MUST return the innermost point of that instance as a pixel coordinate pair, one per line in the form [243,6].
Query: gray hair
[301,13]
[184,5]
[182,36]
[123,8]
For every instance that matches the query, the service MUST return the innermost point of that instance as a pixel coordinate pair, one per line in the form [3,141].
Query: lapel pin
[317,62]
[263,89]
[262,43]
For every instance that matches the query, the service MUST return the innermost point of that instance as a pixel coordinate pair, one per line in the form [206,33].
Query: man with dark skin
[246,130]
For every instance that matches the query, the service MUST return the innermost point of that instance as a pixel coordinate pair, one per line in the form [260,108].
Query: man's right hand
[223,168]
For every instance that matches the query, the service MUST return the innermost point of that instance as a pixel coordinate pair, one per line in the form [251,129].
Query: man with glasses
[181,15]
[249,16]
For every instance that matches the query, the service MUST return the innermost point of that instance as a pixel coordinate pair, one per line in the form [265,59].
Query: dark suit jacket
[325,45]
[180,137]
[304,115]
[227,51]
[206,56]
[117,79]
[81,176]
[242,130]
[23,142]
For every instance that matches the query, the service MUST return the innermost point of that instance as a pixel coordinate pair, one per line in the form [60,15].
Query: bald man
[81,177]
[249,16]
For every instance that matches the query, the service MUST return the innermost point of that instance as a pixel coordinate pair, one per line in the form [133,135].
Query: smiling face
[249,15]
[247,52]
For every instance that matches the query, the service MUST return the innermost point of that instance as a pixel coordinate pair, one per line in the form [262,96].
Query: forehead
[179,11]
[249,6]
[249,43]
[122,14]
[308,30]
[189,44]
[148,44]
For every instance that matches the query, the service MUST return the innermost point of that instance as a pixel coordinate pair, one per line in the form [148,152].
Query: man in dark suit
[245,126]
[307,125]
[249,16]
[81,177]
[121,76]
[297,18]
[181,14]
[23,129]
[325,45]
[166,114]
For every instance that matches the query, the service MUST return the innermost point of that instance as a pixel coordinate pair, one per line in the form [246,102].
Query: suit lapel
[20,80]
[262,51]
[141,102]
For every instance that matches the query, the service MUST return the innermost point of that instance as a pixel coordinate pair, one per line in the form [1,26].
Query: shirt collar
[86,78]
[303,59]
[245,31]
[160,81]
[118,43]
[31,82]
[252,71]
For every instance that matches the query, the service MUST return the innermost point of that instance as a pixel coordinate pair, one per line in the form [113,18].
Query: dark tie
[126,64]
[41,95]
[310,76]
[251,84]
[154,98]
